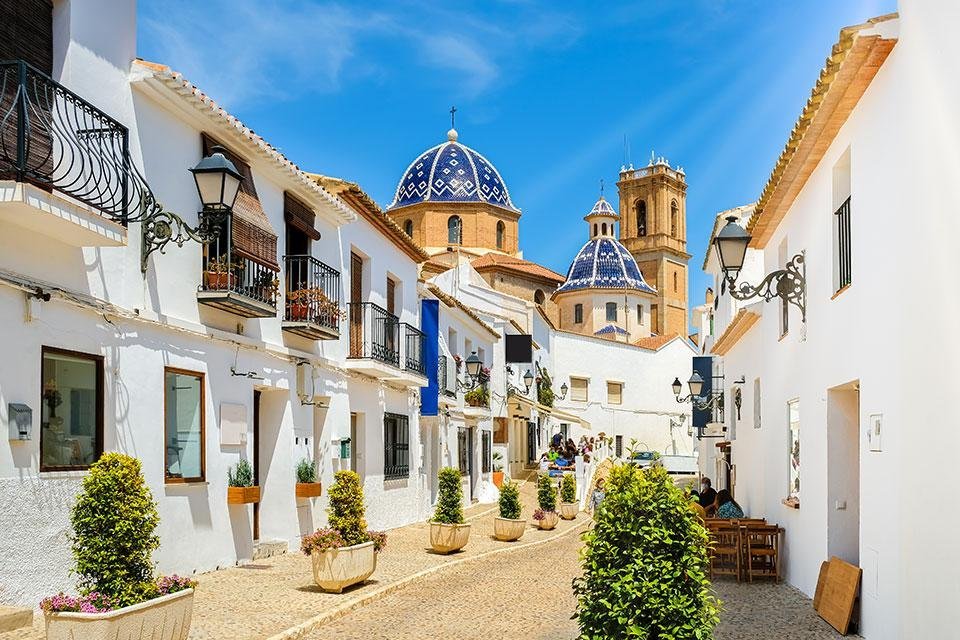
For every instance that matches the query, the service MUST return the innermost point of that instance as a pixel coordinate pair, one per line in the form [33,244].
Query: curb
[317,621]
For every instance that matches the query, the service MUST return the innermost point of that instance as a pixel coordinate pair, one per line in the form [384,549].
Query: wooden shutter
[253,236]
[391,297]
[500,432]
[578,389]
[614,393]
[26,32]
[300,216]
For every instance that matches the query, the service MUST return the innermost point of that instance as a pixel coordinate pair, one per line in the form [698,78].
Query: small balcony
[312,307]
[65,167]
[379,343]
[238,285]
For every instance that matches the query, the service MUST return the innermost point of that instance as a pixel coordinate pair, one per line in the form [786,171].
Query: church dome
[451,172]
[604,263]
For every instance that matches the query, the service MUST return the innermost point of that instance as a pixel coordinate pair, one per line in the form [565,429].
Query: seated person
[727,507]
[694,505]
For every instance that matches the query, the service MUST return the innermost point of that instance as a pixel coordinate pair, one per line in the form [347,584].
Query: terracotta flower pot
[308,489]
[508,530]
[569,510]
[164,618]
[447,538]
[498,478]
[550,520]
[336,569]
[243,495]
[218,280]
[299,312]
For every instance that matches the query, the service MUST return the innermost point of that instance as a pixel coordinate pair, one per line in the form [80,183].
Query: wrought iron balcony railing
[53,138]
[313,292]
[235,283]
[374,333]
[413,349]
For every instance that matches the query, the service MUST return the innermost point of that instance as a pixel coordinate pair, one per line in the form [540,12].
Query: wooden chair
[725,549]
[762,551]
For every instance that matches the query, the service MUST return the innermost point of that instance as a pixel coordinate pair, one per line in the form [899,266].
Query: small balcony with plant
[238,280]
[383,347]
[312,301]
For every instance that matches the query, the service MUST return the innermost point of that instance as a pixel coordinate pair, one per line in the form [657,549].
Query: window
[183,419]
[639,314]
[454,230]
[756,403]
[793,414]
[396,446]
[564,431]
[578,389]
[594,228]
[578,314]
[486,444]
[841,222]
[603,228]
[539,297]
[618,446]
[641,217]
[71,401]
[674,219]
[408,228]
[463,450]
[675,282]
[614,393]
[611,312]
[655,318]
[501,232]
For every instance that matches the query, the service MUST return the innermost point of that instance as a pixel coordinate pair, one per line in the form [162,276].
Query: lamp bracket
[160,228]
[789,284]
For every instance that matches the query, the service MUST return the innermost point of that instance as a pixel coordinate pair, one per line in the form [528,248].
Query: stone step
[13,618]
[268,548]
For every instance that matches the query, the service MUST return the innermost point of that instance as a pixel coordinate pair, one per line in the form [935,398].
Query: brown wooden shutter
[26,32]
[253,236]
[300,216]
[500,433]
[356,309]
[391,297]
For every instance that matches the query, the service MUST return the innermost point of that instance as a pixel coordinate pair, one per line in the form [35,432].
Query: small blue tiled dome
[451,172]
[602,208]
[604,263]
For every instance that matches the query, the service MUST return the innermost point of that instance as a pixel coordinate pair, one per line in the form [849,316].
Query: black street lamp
[695,385]
[218,181]
[528,380]
[474,363]
[788,283]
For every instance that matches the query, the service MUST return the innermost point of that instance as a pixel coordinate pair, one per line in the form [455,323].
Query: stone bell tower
[653,226]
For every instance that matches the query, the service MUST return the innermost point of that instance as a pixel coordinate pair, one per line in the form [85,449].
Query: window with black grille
[487,444]
[463,451]
[841,230]
[396,446]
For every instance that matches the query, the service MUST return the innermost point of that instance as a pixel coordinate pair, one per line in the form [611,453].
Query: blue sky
[546,91]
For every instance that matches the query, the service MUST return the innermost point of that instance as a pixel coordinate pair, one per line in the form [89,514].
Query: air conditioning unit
[714,430]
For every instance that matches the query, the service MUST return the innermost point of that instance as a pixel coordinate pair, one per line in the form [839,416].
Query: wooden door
[256,462]
[356,309]
[390,325]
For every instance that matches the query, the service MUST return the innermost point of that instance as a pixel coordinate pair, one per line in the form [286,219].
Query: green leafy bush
[645,563]
[114,532]
[346,511]
[568,488]
[477,397]
[306,471]
[450,498]
[545,395]
[510,500]
[240,475]
[497,461]
[546,493]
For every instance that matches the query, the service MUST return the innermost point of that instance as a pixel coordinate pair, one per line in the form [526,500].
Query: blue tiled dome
[604,263]
[451,172]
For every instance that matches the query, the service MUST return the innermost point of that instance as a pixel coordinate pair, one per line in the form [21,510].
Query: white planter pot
[336,569]
[447,538]
[569,510]
[508,530]
[550,520]
[163,618]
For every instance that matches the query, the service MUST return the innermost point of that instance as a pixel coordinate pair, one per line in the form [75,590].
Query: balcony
[65,168]
[312,307]
[379,343]
[238,285]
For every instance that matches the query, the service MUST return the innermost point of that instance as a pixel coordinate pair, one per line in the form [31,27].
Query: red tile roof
[498,261]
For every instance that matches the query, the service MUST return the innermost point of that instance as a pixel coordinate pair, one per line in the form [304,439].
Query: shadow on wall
[198,499]
[242,530]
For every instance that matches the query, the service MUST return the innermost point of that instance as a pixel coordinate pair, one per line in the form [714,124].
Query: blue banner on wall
[430,325]
[704,366]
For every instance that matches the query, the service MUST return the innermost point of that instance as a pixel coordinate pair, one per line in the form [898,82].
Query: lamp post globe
[473,365]
[528,379]
[731,244]
[695,383]
[677,386]
[563,390]
[218,180]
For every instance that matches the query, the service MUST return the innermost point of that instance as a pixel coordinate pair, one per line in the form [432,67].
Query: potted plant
[448,533]
[477,397]
[114,525]
[568,497]
[240,487]
[345,553]
[509,527]
[498,469]
[307,485]
[219,274]
[546,516]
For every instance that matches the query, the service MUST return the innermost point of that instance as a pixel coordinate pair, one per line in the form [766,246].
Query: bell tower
[653,226]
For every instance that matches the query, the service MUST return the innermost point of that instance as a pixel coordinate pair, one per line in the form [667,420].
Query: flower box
[569,510]
[336,569]
[508,530]
[164,618]
[447,538]
[243,495]
[549,520]
[308,490]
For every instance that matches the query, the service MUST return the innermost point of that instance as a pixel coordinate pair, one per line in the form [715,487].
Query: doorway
[532,430]
[471,465]
[256,463]
[843,472]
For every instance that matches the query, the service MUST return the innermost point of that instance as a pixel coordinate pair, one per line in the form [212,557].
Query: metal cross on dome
[453,116]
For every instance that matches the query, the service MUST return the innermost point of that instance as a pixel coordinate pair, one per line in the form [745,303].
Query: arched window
[611,312]
[501,232]
[675,281]
[674,218]
[641,217]
[538,296]
[594,229]
[578,314]
[454,230]
[639,314]
[603,227]
[408,228]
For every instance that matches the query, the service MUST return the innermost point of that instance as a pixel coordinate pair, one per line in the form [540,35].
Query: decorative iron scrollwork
[789,284]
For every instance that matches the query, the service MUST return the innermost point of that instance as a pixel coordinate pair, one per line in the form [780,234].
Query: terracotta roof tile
[655,343]
[511,263]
